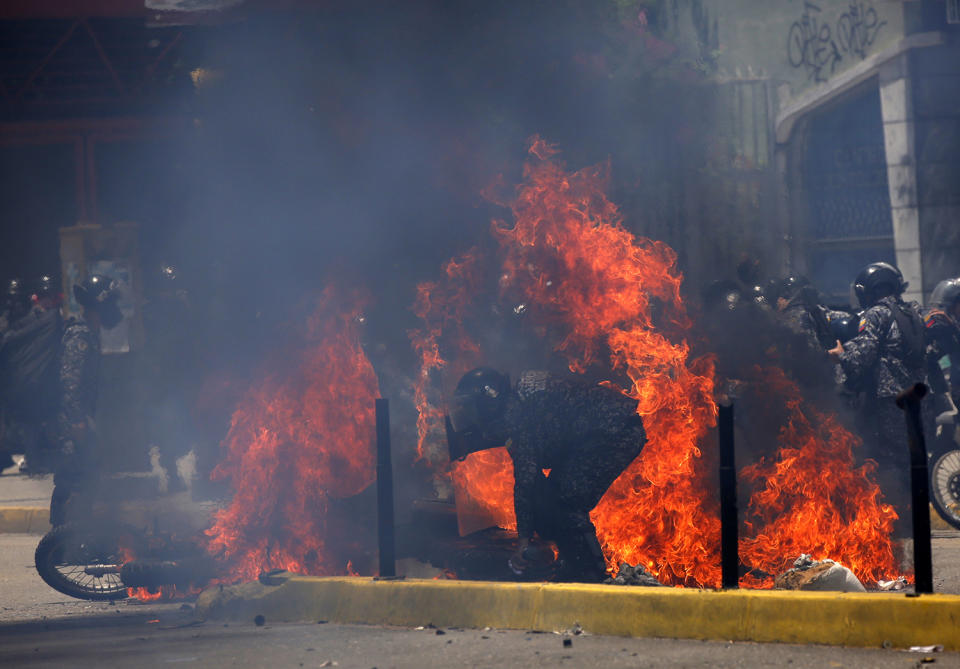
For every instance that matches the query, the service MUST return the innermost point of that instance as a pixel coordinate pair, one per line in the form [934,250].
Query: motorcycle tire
[80,563]
[945,486]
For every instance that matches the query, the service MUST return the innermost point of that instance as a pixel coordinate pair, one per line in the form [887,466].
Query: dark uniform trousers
[574,487]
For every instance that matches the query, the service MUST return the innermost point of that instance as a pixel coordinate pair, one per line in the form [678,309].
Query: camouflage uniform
[586,435]
[79,372]
[796,316]
[880,362]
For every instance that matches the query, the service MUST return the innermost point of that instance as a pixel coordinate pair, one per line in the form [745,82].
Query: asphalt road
[175,639]
[25,597]
[41,628]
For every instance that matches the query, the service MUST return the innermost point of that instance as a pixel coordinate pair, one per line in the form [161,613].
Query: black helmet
[758,296]
[946,294]
[478,401]
[843,327]
[723,294]
[15,300]
[45,286]
[100,293]
[876,281]
[791,286]
[14,288]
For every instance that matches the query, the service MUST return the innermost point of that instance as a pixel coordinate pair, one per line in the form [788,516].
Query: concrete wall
[769,56]
[801,44]
[812,54]
[935,74]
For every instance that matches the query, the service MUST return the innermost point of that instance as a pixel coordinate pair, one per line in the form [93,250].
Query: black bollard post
[909,401]
[729,531]
[385,538]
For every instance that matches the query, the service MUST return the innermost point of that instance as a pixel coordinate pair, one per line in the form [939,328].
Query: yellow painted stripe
[29,520]
[849,619]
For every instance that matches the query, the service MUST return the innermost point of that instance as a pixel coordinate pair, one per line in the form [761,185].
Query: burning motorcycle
[133,536]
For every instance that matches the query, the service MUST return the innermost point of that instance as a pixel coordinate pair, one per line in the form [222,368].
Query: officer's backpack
[29,355]
[911,330]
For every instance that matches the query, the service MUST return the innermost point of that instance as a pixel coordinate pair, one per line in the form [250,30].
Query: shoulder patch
[532,382]
[933,317]
[863,325]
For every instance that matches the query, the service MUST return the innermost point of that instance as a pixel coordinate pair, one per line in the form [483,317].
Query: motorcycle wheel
[945,486]
[81,564]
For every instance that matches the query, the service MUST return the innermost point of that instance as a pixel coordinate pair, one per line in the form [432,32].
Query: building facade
[852,109]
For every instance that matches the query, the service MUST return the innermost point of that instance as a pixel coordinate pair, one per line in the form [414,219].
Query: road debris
[810,574]
[895,585]
[633,575]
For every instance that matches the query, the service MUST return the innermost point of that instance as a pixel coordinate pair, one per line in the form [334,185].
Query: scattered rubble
[895,585]
[810,574]
[630,575]
[926,649]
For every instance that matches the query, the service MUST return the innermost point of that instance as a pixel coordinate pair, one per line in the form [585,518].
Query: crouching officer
[887,355]
[79,376]
[585,435]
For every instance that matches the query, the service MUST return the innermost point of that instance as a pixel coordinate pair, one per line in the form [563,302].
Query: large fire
[609,304]
[300,438]
[812,498]
[442,308]
[607,300]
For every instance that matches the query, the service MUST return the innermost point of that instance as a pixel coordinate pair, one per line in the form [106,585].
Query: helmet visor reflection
[464,414]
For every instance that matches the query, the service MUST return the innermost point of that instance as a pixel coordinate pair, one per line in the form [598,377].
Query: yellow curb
[24,520]
[842,619]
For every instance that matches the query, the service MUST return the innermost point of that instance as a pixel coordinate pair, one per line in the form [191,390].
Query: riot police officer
[15,305]
[79,376]
[942,327]
[799,308]
[887,355]
[586,435]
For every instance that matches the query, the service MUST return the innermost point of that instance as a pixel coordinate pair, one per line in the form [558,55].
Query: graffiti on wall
[857,29]
[818,45]
[810,44]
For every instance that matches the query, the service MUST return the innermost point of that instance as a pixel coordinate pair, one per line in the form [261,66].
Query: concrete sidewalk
[24,502]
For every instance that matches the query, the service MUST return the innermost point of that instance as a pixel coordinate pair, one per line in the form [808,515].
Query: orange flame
[301,437]
[164,593]
[610,300]
[570,257]
[442,307]
[813,498]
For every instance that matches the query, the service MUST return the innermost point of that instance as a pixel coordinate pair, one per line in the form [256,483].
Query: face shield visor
[464,414]
[464,426]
